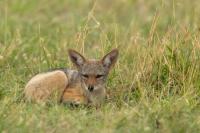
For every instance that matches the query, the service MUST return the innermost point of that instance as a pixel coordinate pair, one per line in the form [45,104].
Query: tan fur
[86,85]
[41,86]
[74,94]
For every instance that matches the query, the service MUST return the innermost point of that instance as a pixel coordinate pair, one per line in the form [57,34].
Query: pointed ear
[110,59]
[76,58]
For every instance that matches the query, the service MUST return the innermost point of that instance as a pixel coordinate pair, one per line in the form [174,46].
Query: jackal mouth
[91,88]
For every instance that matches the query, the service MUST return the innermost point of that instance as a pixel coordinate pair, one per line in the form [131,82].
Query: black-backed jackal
[82,86]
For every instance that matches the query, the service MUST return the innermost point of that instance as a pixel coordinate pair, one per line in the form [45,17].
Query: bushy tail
[42,86]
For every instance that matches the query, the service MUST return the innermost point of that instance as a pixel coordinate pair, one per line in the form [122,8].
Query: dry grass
[155,86]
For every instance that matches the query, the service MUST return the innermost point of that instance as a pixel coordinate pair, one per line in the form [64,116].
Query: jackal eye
[99,76]
[85,75]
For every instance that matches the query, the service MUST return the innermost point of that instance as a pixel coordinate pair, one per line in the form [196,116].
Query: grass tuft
[154,87]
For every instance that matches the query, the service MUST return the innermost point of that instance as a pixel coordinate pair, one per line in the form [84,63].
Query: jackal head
[93,72]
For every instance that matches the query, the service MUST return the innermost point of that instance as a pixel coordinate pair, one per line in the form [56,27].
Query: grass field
[155,86]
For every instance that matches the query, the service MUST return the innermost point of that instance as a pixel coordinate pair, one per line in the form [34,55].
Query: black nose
[90,88]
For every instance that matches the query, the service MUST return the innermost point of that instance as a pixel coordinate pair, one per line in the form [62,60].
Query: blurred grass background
[155,86]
